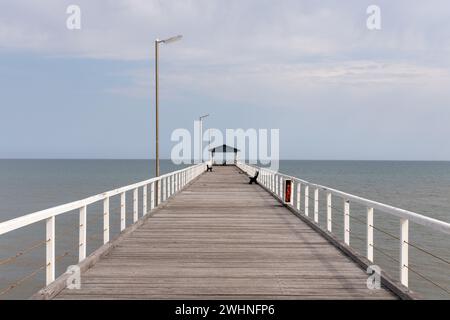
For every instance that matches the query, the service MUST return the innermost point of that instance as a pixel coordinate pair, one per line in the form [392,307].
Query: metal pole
[201,136]
[209,144]
[157,121]
[157,42]
[157,108]
[201,140]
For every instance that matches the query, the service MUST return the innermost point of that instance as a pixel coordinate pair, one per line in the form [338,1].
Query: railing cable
[427,279]
[29,276]
[21,253]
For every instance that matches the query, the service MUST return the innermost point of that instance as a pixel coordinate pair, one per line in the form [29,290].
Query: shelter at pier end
[224,150]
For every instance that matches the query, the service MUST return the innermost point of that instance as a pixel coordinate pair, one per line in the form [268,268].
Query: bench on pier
[208,168]
[254,179]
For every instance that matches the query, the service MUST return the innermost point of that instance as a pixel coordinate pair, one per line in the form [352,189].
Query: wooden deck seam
[237,242]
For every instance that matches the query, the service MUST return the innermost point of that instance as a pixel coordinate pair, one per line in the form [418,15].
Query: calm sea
[30,185]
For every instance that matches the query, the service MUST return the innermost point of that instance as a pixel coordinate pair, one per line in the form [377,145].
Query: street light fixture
[157,42]
[170,40]
[201,136]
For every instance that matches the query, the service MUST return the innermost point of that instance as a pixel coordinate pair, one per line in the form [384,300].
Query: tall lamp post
[201,136]
[157,42]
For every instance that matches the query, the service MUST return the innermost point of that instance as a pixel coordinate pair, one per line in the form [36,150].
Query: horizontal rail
[31,218]
[435,224]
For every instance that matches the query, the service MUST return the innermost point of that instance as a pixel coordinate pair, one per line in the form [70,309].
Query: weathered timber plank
[222,238]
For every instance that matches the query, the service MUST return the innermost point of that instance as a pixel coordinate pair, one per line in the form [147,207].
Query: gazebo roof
[224,148]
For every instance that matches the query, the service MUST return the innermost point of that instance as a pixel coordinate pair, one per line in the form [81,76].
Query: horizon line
[193,160]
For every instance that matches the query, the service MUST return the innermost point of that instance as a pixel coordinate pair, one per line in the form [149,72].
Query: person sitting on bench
[254,179]
[208,168]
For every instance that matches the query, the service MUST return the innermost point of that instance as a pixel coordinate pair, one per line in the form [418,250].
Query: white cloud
[242,47]
[316,59]
[275,84]
[222,30]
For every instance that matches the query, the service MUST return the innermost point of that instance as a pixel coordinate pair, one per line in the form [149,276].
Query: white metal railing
[161,188]
[273,181]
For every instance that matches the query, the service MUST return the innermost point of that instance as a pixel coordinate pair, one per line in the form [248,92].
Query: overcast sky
[335,89]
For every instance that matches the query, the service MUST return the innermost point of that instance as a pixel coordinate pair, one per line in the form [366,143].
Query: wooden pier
[220,238]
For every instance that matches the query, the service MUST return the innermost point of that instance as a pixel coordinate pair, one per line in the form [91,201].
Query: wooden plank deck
[222,238]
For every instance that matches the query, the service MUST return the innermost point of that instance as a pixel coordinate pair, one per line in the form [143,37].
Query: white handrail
[31,218]
[272,180]
[435,224]
[180,177]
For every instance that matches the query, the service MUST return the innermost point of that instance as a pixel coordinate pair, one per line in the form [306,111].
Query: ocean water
[30,185]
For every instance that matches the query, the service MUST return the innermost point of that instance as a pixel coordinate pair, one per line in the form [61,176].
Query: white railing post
[370,234]
[306,200]
[280,188]
[152,196]
[404,238]
[347,222]
[174,188]
[159,191]
[167,179]
[123,208]
[106,220]
[50,250]
[329,213]
[135,205]
[276,185]
[82,235]
[316,205]
[169,186]
[299,195]
[264,178]
[172,184]
[144,200]
[175,183]
[164,189]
